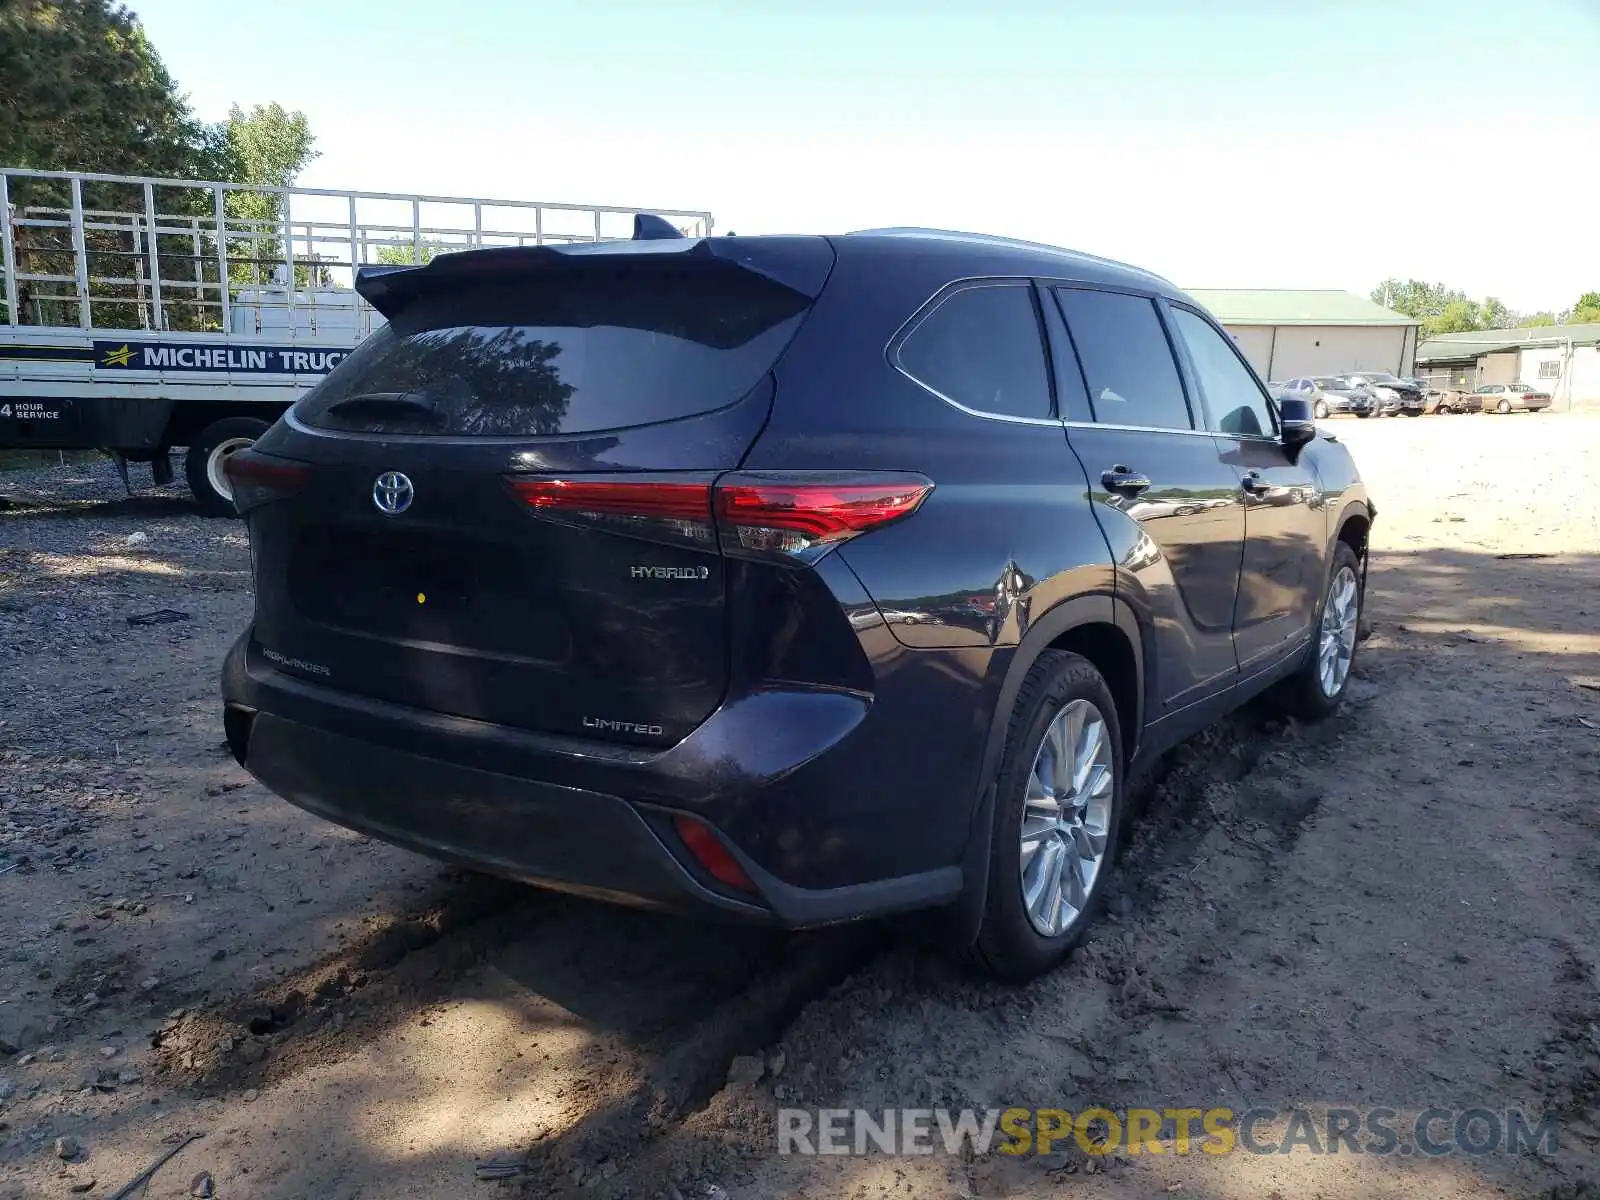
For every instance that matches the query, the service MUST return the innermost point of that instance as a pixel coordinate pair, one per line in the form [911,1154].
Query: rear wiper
[380,403]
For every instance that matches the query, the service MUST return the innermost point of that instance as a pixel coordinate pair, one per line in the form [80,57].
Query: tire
[1010,944]
[1305,693]
[1364,415]
[1320,411]
[203,464]
[1413,412]
[1503,407]
[1443,410]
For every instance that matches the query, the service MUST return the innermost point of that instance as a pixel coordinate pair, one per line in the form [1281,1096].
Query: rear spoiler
[801,264]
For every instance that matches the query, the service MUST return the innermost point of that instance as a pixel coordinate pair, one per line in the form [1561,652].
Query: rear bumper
[590,818]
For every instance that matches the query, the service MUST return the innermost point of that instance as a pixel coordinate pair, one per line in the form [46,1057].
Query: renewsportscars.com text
[1431,1132]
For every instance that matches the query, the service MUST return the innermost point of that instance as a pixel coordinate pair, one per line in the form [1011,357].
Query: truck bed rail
[91,251]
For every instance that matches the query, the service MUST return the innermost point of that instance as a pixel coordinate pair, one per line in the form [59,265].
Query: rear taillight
[801,517]
[711,854]
[660,510]
[258,479]
[794,517]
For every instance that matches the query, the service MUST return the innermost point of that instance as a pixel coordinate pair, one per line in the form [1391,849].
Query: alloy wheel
[1337,637]
[1066,820]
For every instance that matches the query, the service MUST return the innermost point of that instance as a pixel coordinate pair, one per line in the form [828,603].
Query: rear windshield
[568,353]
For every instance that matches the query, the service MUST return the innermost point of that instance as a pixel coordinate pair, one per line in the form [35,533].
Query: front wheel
[1503,407]
[1363,415]
[1314,691]
[208,454]
[1057,814]
[1321,410]
[1443,410]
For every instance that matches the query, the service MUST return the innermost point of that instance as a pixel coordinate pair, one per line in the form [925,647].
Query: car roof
[979,254]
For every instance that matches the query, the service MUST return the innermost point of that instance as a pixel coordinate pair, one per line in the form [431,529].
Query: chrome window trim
[936,301]
[1206,433]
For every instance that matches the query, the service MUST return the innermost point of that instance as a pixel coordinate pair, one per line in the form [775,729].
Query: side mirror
[1295,422]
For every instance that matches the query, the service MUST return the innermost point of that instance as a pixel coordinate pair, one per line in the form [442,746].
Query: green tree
[267,146]
[1459,316]
[405,256]
[1538,320]
[1426,302]
[82,89]
[1493,314]
[1587,310]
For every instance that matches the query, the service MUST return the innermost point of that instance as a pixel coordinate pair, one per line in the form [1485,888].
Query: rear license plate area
[418,587]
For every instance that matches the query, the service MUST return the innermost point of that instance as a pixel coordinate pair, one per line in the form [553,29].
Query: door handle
[1253,484]
[1125,482]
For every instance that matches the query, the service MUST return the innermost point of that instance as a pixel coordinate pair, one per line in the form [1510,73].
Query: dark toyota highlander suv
[793,578]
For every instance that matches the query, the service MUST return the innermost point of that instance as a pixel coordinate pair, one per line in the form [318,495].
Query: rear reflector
[794,517]
[711,854]
[258,478]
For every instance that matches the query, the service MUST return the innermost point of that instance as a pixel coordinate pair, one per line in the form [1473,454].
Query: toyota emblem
[392,493]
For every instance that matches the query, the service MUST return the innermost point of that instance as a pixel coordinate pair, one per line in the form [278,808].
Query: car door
[1285,525]
[1169,507]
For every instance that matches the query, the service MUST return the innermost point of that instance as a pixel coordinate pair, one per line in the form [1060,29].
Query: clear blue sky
[1223,143]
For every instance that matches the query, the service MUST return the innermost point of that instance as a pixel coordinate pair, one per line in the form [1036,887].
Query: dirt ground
[1398,907]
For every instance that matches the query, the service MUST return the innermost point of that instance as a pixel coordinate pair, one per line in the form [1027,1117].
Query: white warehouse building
[1287,333]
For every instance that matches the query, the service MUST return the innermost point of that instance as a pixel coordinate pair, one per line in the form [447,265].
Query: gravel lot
[1398,907]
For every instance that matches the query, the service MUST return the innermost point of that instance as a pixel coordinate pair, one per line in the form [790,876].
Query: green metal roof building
[1563,360]
[1291,332]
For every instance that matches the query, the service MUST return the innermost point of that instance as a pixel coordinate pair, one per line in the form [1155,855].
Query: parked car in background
[1327,397]
[1393,394]
[570,571]
[1512,397]
[1445,401]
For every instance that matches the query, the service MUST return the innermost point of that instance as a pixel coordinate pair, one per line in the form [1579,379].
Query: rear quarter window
[981,346]
[559,354]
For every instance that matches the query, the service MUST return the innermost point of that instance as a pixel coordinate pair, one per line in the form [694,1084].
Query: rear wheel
[1315,690]
[208,455]
[1057,816]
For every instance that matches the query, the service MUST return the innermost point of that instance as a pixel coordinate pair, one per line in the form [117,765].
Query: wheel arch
[1354,528]
[1102,628]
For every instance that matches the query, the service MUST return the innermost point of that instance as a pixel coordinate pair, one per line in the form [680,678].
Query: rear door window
[981,347]
[568,352]
[1126,359]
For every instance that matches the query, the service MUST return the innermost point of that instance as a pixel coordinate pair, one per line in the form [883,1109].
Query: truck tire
[207,452]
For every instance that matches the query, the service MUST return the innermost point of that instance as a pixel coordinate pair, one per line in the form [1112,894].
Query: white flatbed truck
[141,315]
